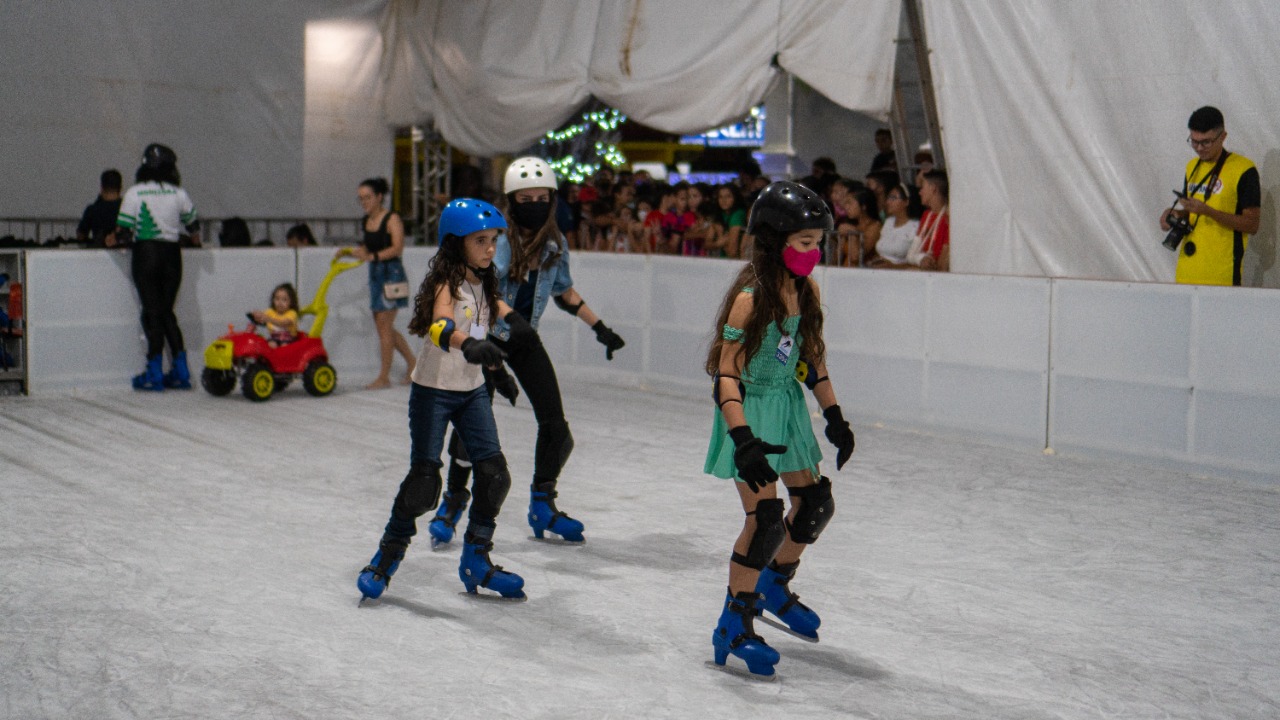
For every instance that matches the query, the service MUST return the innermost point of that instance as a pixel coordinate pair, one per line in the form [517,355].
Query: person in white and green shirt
[154,214]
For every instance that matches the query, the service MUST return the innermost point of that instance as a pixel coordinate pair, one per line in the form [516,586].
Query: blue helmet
[464,216]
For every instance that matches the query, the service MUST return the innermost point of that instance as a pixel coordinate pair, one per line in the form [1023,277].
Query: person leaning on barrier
[97,226]
[1217,209]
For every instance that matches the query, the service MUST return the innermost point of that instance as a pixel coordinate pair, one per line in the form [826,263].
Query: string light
[572,166]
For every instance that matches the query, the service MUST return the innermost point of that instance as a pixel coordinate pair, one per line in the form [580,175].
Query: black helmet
[157,157]
[788,207]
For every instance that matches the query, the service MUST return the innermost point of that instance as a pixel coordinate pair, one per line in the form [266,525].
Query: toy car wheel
[320,378]
[218,382]
[258,382]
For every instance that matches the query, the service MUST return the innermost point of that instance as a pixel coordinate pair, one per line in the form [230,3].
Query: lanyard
[1209,181]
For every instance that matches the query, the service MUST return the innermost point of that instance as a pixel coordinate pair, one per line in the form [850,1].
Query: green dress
[774,406]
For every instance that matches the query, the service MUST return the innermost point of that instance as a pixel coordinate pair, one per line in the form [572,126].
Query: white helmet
[528,172]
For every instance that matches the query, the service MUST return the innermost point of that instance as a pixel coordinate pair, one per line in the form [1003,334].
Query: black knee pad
[420,491]
[815,511]
[492,481]
[555,443]
[768,537]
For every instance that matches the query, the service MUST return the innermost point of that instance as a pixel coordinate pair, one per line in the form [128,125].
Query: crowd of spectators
[882,219]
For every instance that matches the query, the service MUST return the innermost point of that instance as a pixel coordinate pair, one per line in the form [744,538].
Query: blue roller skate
[151,378]
[377,574]
[777,598]
[450,511]
[735,635]
[544,517]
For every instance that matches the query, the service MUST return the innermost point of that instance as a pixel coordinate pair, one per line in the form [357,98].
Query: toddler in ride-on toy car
[281,319]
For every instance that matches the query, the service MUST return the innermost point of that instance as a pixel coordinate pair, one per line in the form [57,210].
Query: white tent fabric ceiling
[494,76]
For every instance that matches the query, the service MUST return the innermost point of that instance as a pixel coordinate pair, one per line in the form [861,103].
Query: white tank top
[450,370]
[894,242]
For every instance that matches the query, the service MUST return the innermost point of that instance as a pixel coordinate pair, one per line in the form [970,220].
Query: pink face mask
[800,263]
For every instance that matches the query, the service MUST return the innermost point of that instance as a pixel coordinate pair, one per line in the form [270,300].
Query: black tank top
[376,240]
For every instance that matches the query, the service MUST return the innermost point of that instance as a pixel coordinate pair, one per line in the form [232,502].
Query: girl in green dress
[771,318]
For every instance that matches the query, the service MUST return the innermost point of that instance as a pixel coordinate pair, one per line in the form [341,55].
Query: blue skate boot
[377,574]
[777,598]
[451,507]
[544,517]
[152,378]
[735,634]
[179,376]
[477,570]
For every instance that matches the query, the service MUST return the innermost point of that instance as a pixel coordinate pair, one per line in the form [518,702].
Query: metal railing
[328,230]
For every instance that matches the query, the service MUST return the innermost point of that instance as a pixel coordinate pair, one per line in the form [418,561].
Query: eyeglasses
[894,197]
[1198,144]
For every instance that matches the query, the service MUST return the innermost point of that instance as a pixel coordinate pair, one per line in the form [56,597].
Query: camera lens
[1189,248]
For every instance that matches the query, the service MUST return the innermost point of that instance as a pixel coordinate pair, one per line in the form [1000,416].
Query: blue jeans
[382,272]
[431,411]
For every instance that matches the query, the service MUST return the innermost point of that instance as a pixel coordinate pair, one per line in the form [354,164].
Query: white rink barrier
[1178,375]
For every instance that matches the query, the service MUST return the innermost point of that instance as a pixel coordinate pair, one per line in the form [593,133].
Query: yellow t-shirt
[1216,250]
[282,326]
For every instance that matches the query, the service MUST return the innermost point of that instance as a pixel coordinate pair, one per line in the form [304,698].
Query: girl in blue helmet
[456,306]
[532,265]
[771,317]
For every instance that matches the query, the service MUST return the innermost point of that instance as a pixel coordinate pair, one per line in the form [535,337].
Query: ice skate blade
[557,540]
[741,671]
[783,627]
[437,546]
[493,597]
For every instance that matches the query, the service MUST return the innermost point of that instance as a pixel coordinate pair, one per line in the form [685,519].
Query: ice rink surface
[183,556]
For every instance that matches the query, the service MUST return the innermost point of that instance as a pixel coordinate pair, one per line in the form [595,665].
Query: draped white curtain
[1064,125]
[495,75]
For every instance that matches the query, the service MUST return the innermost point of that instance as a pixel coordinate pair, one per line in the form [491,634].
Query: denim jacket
[552,281]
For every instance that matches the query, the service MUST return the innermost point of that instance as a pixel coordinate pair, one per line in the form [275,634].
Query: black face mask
[532,215]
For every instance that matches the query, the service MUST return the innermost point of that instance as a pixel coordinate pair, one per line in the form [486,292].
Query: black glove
[749,457]
[482,352]
[503,383]
[521,331]
[840,434]
[608,338]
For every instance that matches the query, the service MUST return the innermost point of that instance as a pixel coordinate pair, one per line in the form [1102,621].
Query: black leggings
[157,274]
[537,377]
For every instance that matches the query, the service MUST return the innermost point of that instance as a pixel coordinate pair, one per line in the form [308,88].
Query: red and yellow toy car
[262,370]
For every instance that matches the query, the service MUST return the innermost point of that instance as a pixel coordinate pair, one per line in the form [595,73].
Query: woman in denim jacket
[533,269]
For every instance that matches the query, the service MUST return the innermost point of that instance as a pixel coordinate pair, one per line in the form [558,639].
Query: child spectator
[281,319]
[678,220]
[656,219]
[300,236]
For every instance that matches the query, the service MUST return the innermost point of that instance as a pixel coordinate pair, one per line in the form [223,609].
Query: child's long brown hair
[765,275]
[449,266]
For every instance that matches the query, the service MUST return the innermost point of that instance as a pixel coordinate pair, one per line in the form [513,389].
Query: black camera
[1179,228]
